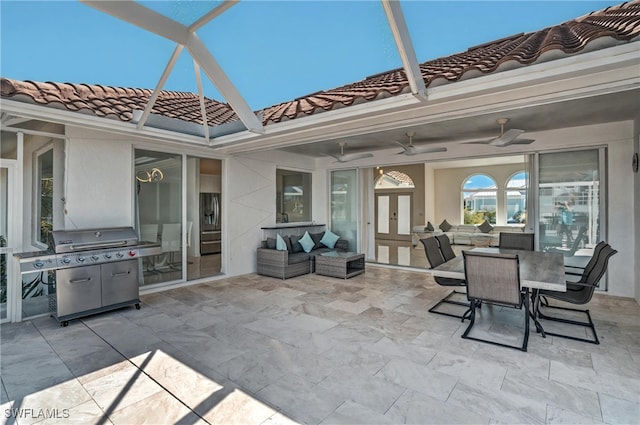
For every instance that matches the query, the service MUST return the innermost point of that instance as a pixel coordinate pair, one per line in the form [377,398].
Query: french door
[393,216]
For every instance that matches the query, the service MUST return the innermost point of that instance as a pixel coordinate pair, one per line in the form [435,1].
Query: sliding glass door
[344,205]
[570,206]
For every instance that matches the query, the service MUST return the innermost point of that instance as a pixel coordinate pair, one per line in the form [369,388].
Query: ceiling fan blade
[507,138]
[351,156]
[429,149]
[522,141]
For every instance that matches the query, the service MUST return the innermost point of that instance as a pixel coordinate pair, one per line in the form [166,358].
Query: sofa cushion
[295,245]
[298,257]
[271,243]
[485,227]
[307,242]
[469,229]
[281,245]
[317,237]
[445,226]
[329,239]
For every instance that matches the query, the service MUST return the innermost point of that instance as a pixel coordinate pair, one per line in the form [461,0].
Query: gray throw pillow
[317,237]
[295,245]
[485,227]
[429,227]
[445,226]
[271,243]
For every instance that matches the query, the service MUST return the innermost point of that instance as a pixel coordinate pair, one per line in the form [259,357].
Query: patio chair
[572,269]
[578,293]
[569,252]
[445,247]
[521,241]
[494,279]
[435,258]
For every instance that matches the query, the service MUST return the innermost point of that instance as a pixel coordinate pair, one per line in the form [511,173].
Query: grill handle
[121,274]
[86,279]
[97,245]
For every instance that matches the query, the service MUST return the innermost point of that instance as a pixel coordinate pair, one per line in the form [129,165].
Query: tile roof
[611,26]
[116,102]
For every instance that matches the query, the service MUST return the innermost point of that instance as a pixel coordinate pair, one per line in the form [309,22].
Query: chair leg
[472,317]
[446,300]
[589,324]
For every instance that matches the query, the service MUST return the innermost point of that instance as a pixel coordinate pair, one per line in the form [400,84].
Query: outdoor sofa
[464,234]
[293,261]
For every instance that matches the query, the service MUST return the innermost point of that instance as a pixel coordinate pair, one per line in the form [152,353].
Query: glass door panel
[569,199]
[5,251]
[384,218]
[158,180]
[404,215]
[344,206]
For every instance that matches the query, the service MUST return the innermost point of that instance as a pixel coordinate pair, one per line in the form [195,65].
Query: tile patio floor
[316,350]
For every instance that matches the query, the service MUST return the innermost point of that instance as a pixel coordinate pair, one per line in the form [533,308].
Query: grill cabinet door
[78,290]
[119,282]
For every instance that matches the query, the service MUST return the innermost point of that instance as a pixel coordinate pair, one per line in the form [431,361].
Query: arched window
[393,180]
[479,200]
[516,197]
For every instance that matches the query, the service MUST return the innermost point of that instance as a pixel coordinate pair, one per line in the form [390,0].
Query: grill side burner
[96,270]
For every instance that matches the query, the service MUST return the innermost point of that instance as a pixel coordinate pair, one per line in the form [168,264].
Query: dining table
[538,270]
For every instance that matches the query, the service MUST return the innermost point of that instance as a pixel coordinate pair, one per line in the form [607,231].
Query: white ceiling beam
[224,85]
[203,109]
[158,89]
[140,16]
[212,14]
[405,47]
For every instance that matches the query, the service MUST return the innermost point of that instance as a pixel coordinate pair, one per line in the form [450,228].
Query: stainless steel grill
[96,270]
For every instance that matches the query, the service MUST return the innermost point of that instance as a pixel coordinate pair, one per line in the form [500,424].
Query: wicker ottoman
[340,264]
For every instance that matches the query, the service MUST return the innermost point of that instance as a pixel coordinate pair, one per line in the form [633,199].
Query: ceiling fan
[411,150]
[346,157]
[506,138]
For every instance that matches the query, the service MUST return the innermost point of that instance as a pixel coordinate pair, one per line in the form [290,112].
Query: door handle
[86,279]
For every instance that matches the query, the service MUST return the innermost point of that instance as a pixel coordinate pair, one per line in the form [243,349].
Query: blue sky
[273,51]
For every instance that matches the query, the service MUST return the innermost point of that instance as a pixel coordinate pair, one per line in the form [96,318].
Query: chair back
[171,237]
[594,257]
[445,247]
[512,240]
[149,233]
[592,276]
[494,278]
[432,250]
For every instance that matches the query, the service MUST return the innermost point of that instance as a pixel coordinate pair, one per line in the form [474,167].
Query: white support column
[405,47]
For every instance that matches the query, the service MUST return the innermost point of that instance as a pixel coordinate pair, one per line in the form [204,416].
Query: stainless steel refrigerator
[210,223]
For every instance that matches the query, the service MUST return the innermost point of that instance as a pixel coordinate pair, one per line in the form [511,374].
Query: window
[479,199]
[44,197]
[293,196]
[516,197]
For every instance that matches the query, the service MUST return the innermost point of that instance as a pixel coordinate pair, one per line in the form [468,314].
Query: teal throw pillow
[306,242]
[281,245]
[329,239]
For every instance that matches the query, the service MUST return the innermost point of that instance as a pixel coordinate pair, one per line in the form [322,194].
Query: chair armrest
[273,256]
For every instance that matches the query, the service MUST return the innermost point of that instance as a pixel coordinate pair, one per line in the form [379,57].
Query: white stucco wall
[99,180]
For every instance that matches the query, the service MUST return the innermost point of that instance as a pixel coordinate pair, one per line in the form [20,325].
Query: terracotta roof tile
[117,102]
[613,25]
[621,23]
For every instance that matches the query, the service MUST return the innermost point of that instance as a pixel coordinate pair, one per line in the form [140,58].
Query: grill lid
[91,239]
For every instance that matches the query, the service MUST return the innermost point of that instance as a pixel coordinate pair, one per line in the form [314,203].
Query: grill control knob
[66,260]
[38,264]
[80,259]
[132,253]
[119,254]
[95,257]
[107,255]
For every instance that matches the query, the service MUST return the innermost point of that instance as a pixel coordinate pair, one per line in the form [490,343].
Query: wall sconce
[144,176]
